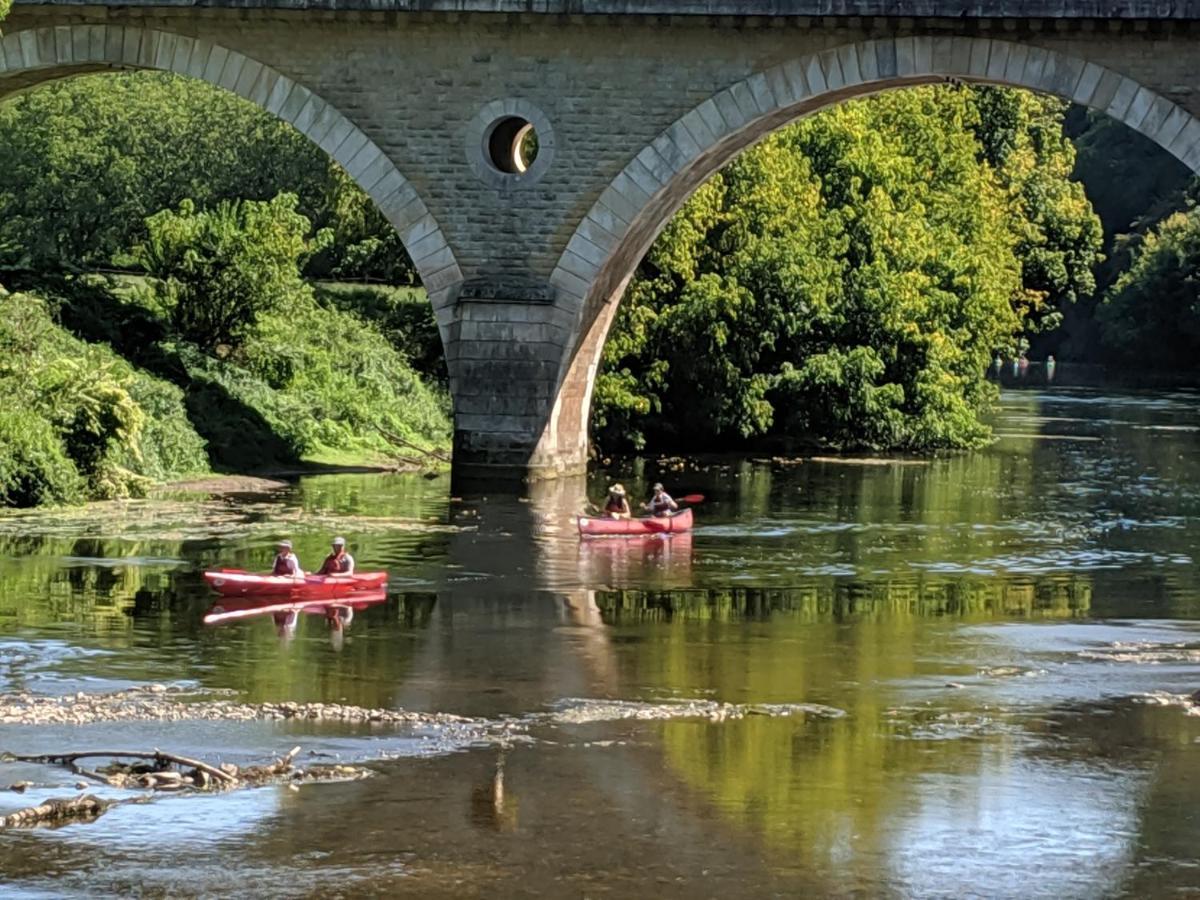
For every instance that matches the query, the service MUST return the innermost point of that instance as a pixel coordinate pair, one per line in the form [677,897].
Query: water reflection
[1006,632]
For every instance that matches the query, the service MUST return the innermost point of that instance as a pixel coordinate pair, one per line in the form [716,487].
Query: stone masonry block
[831,68]
[1089,81]
[1118,108]
[760,90]
[815,75]
[793,71]
[64,45]
[848,61]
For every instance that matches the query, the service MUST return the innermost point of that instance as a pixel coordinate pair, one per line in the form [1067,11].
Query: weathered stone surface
[633,111]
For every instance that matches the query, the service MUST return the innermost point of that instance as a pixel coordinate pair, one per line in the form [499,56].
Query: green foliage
[88,160]
[219,271]
[349,382]
[1059,238]
[1151,315]
[82,421]
[402,315]
[34,467]
[846,281]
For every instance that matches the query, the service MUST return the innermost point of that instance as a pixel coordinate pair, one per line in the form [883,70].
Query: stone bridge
[427,103]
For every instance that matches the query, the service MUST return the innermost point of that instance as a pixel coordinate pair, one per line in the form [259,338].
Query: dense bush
[313,378]
[34,468]
[79,420]
[1151,316]
[402,315]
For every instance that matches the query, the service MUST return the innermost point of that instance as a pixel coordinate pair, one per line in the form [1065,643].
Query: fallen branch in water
[163,759]
[394,438]
[195,775]
[57,811]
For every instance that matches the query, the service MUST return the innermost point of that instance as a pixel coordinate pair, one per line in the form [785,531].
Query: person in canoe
[285,561]
[616,506]
[339,562]
[661,503]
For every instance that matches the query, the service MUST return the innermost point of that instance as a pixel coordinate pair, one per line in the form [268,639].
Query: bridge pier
[506,360]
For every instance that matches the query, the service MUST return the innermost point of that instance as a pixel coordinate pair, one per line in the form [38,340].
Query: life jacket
[615,504]
[336,563]
[286,564]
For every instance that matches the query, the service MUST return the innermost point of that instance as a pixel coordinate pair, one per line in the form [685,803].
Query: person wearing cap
[285,561]
[617,507]
[339,562]
[661,503]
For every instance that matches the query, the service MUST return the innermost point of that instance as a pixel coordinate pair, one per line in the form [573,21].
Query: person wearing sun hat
[285,561]
[339,562]
[617,507]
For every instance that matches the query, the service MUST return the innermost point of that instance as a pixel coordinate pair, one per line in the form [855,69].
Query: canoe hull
[590,527]
[310,587]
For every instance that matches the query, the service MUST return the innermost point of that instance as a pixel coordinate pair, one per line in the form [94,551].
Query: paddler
[285,561]
[617,507]
[661,503]
[339,562]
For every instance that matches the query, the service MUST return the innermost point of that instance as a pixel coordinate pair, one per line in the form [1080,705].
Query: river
[955,677]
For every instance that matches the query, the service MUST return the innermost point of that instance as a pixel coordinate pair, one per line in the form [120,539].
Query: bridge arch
[36,55]
[600,257]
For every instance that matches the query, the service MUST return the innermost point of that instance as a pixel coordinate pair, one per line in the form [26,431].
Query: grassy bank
[103,401]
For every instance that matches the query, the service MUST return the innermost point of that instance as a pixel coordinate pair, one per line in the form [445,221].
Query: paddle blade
[691,498]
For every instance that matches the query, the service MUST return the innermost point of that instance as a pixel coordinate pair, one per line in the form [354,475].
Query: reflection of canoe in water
[237,583]
[681,521]
[232,608]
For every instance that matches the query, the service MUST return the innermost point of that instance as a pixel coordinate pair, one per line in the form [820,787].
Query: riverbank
[114,405]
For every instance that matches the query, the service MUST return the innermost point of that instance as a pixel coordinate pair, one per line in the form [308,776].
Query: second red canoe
[597,527]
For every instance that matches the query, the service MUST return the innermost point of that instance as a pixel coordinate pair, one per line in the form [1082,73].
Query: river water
[958,677]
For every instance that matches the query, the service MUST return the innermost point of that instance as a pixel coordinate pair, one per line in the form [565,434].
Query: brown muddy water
[961,677]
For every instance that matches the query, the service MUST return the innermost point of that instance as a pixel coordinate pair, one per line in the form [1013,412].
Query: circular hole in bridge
[512,145]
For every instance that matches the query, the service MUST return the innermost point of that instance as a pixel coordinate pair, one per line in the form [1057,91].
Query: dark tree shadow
[238,437]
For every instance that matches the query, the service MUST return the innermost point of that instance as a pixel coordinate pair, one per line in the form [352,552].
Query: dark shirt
[617,505]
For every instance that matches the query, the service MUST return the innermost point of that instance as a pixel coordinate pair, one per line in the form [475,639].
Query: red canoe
[681,521]
[236,583]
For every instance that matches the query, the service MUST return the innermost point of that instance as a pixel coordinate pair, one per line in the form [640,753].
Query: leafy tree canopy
[1151,316]
[88,160]
[847,280]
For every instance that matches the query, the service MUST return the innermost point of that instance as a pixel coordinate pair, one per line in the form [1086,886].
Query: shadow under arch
[34,56]
[600,258]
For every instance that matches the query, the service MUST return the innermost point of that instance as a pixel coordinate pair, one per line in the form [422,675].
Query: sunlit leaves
[847,280]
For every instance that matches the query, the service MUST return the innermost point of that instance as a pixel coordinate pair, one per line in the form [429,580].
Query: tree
[1151,315]
[88,160]
[1059,236]
[219,271]
[845,282]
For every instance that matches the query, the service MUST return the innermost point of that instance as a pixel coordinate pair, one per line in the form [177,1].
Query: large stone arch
[36,55]
[599,259]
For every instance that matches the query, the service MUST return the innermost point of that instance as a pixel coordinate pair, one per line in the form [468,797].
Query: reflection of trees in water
[825,791]
[1052,596]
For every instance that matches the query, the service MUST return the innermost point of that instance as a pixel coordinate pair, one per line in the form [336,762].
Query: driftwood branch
[157,755]
[394,438]
[198,776]
[56,811]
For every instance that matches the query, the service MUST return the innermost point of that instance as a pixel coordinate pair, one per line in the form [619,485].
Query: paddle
[690,498]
